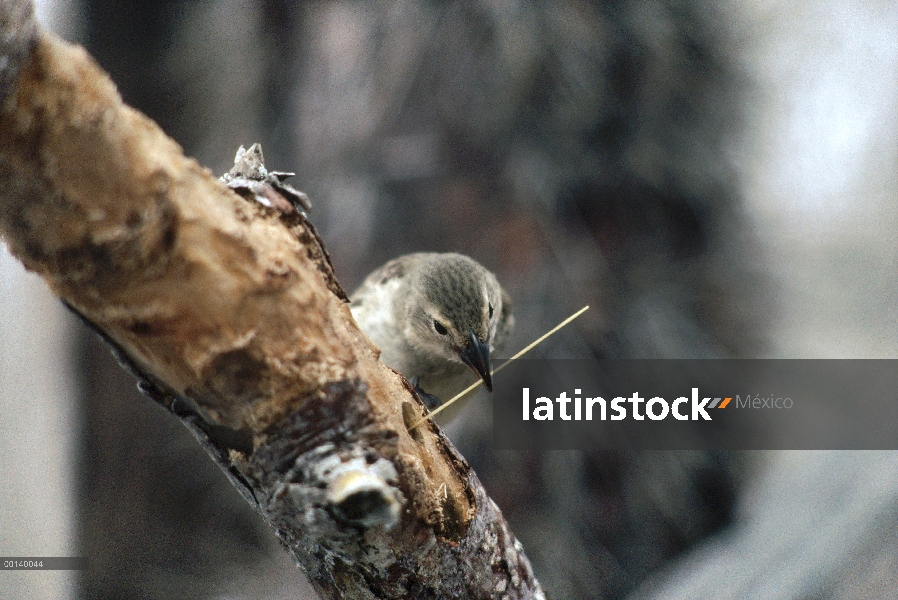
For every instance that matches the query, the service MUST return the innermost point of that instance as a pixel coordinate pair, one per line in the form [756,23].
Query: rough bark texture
[229,313]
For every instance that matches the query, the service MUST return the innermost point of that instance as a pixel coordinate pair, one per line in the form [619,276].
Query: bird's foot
[429,400]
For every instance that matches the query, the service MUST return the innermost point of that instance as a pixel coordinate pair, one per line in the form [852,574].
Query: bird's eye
[439,328]
[491,310]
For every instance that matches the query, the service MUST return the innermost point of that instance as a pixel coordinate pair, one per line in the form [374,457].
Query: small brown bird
[435,317]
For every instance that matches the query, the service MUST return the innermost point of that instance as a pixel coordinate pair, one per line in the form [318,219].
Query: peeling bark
[228,312]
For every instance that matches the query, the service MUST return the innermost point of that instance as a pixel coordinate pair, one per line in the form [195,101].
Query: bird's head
[455,311]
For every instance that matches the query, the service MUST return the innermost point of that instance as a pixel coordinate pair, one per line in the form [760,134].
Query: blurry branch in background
[229,314]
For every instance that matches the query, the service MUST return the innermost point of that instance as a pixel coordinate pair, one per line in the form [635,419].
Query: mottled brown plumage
[437,318]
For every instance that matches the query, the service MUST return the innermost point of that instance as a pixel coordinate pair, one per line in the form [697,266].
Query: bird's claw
[429,400]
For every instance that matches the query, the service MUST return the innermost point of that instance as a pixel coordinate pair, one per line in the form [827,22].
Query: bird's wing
[372,306]
[394,269]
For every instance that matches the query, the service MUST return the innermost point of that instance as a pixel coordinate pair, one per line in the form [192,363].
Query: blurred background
[717,179]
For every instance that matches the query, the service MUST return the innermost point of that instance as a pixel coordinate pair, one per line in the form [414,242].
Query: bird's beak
[477,356]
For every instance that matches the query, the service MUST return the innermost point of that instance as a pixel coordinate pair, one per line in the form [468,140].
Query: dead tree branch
[230,315]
